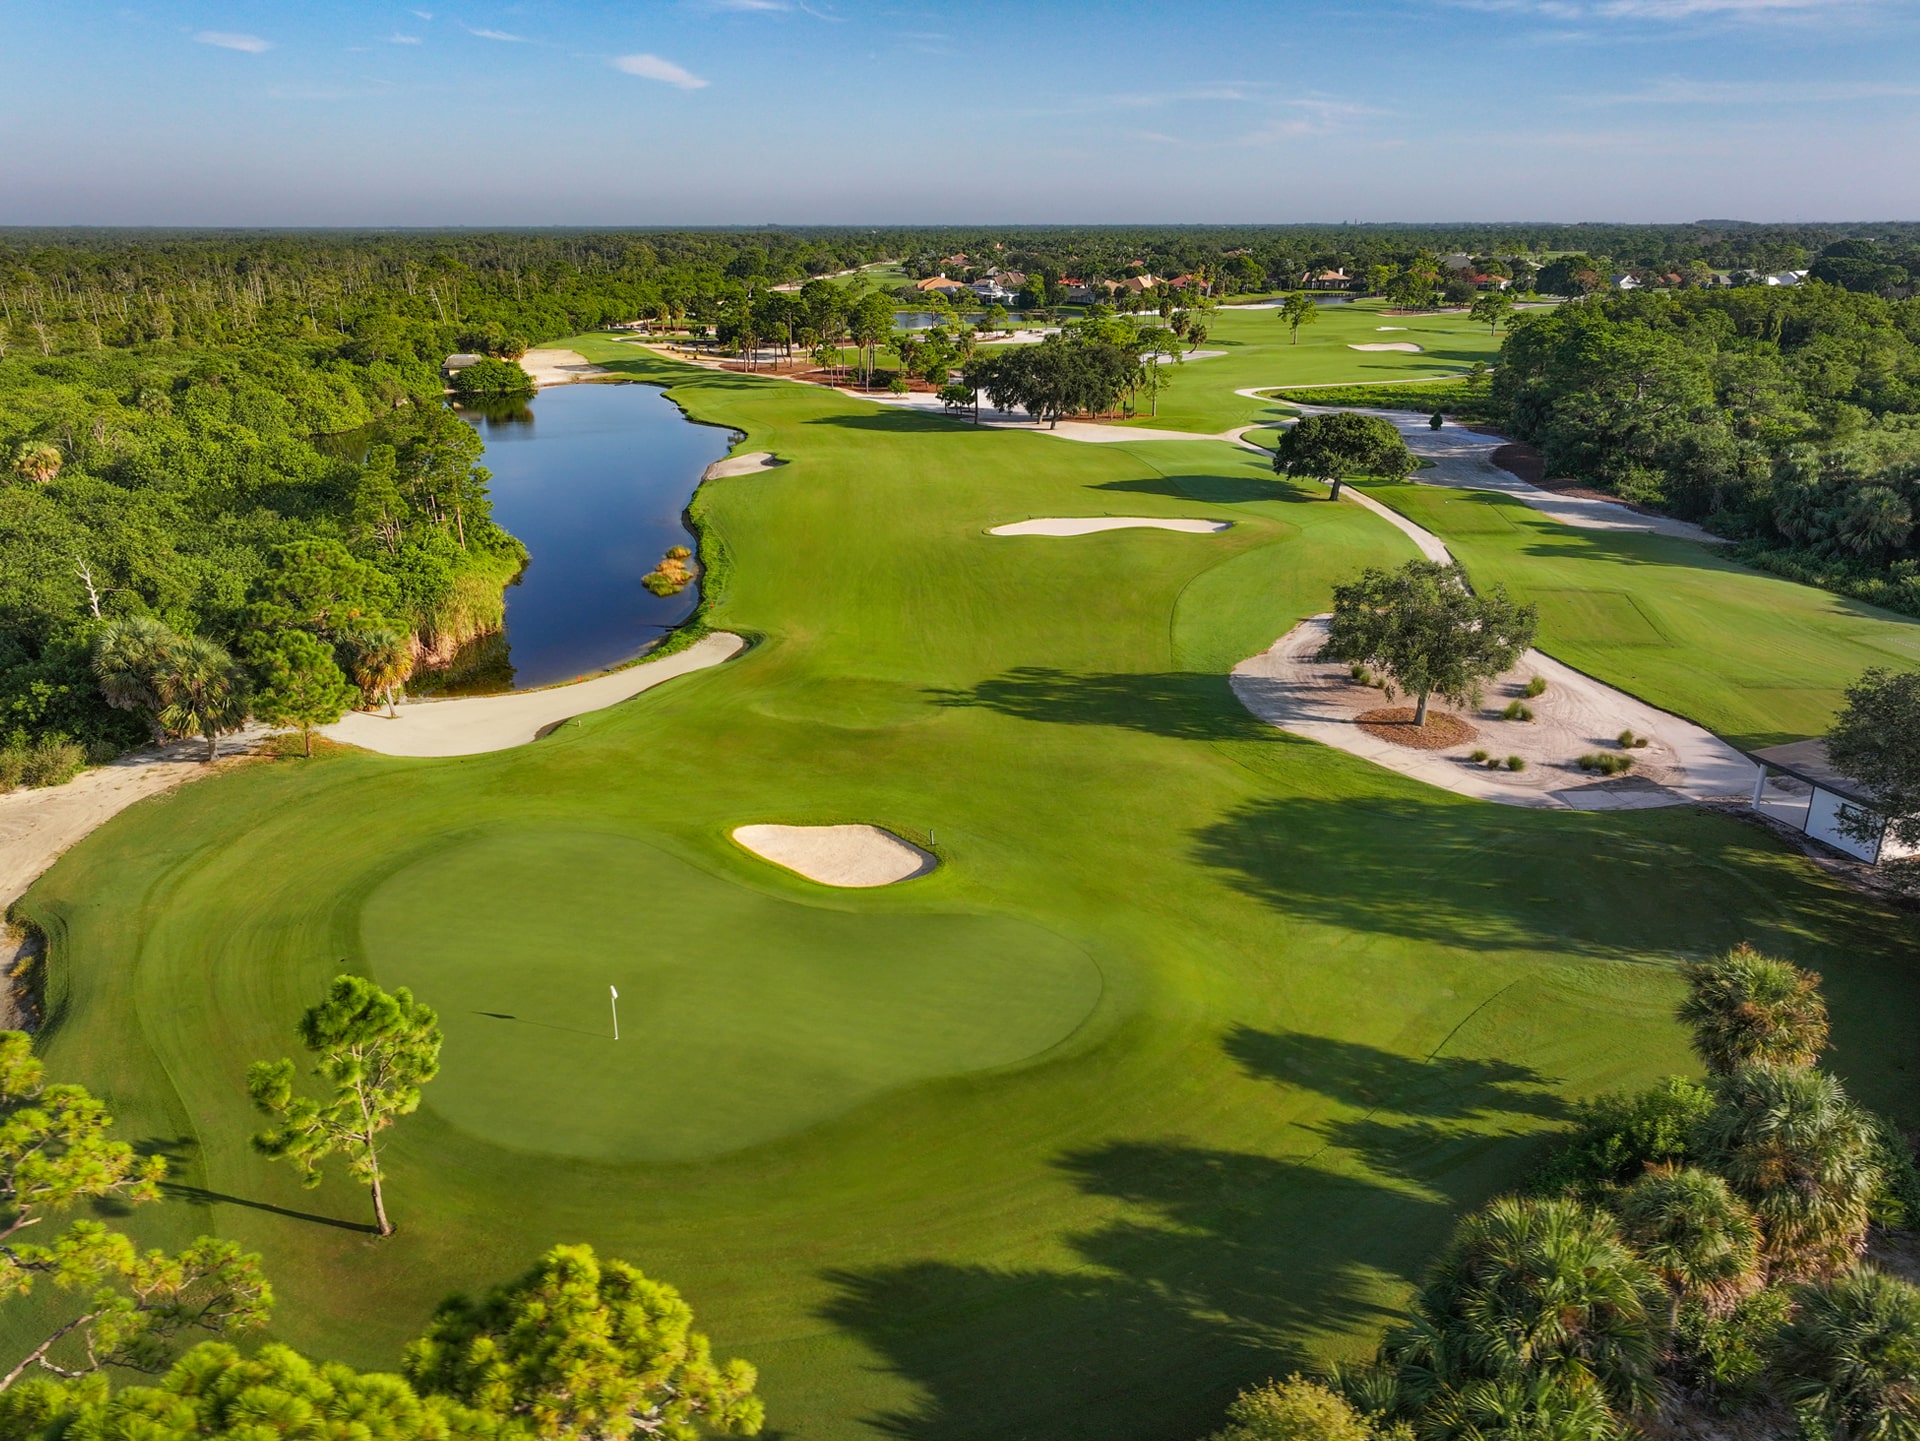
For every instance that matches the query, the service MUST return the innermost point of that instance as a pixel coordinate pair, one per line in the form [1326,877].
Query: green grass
[1260,354]
[1755,658]
[892,1144]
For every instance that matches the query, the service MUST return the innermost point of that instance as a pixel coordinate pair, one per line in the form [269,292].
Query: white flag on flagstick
[616,993]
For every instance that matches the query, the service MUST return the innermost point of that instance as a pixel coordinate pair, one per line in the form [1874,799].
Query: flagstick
[615,1001]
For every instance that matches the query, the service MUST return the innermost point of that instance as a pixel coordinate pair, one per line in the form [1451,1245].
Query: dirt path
[474,725]
[38,826]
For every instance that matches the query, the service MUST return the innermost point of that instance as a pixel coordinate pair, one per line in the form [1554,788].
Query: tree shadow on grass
[200,1196]
[1473,876]
[1224,1269]
[1176,704]
[1209,489]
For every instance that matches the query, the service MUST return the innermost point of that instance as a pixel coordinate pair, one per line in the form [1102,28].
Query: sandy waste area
[1406,345]
[1290,687]
[853,857]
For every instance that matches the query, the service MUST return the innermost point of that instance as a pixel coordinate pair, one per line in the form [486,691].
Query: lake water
[593,479]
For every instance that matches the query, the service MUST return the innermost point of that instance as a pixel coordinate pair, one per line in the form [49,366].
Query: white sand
[559,367]
[1287,686]
[1406,345]
[37,826]
[1390,327]
[1088,524]
[747,464]
[854,857]
[474,725]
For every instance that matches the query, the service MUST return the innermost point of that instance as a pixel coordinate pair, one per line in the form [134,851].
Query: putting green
[748,1017]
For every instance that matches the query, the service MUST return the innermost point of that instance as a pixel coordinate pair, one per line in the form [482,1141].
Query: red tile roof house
[1326,280]
[943,285]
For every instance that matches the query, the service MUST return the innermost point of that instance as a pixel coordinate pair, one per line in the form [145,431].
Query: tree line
[1787,418]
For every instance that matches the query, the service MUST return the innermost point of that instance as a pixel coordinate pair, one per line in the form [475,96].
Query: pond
[594,480]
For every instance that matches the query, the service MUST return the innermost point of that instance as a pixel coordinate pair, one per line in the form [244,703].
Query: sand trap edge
[1403,345]
[851,857]
[1092,524]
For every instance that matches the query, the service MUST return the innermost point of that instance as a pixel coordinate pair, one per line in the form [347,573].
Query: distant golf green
[748,1016]
[1170,1078]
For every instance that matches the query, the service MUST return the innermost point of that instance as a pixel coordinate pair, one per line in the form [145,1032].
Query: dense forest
[1785,417]
[230,438]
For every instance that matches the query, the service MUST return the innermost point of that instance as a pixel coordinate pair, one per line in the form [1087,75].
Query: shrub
[1295,1409]
[898,385]
[679,552]
[1727,1355]
[53,762]
[1896,1204]
[102,753]
[1535,688]
[1517,710]
[1631,742]
[1360,673]
[13,766]
[1606,764]
[488,376]
[1616,1136]
[1516,763]
[1480,757]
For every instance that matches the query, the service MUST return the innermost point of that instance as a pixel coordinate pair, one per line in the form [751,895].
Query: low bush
[48,762]
[1631,742]
[1516,763]
[1360,673]
[1517,711]
[1480,757]
[1606,764]
[1535,688]
[1726,1355]
[1616,1136]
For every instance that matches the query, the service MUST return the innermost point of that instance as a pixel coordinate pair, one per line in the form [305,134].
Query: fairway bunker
[1091,524]
[1406,345]
[854,857]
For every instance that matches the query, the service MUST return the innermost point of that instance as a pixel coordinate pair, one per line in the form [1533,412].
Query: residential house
[940,285]
[1326,280]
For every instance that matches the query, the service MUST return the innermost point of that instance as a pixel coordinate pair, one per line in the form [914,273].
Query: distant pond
[594,480]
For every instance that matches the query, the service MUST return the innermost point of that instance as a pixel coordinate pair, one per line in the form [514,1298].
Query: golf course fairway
[1170,1076]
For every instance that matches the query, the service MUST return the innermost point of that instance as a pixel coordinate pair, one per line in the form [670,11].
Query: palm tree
[1536,1290]
[129,655]
[1698,1236]
[382,662]
[202,690]
[1851,1358]
[1802,1155]
[1747,1009]
[38,462]
[1537,1408]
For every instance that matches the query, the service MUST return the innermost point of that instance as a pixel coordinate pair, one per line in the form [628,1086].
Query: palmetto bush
[1798,1151]
[1535,1291]
[1746,1009]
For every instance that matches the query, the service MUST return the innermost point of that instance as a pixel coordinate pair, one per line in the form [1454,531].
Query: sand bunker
[559,367]
[848,856]
[1088,524]
[1388,345]
[742,464]
[1291,687]
[1390,327]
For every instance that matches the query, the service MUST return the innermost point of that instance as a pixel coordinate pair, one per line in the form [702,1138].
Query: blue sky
[636,112]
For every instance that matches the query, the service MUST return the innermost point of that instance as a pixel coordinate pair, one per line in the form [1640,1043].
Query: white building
[1810,795]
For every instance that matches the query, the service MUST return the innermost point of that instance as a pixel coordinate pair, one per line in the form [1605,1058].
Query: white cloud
[652,67]
[497,35]
[227,40]
[403,40]
[758,5]
[1655,10]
